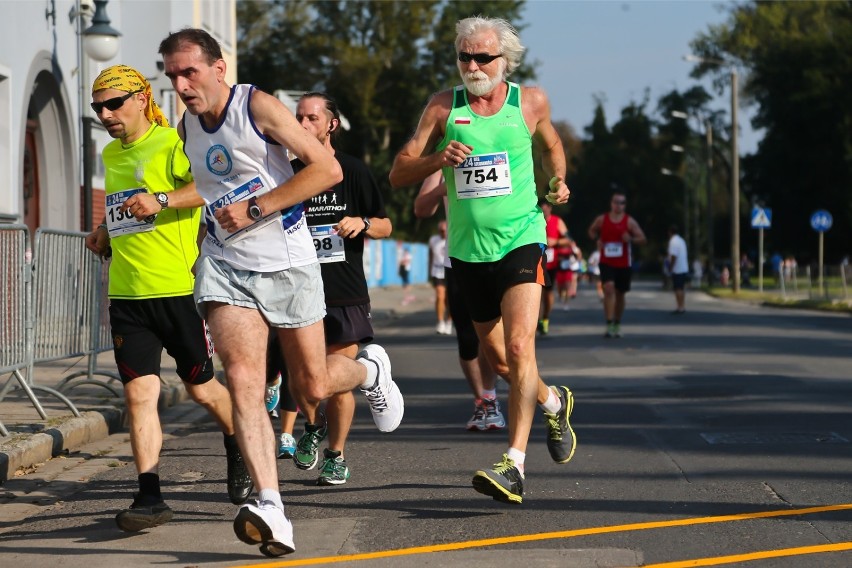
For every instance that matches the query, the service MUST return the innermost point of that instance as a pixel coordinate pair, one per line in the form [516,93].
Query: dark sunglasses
[619,201]
[112,104]
[480,58]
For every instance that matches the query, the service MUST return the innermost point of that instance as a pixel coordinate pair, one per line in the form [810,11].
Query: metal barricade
[16,318]
[70,306]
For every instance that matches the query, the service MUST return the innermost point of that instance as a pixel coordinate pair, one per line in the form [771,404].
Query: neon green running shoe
[503,483]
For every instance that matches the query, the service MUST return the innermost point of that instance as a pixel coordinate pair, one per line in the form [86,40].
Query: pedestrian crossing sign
[761,218]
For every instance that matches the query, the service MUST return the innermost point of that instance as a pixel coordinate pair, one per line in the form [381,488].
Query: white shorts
[290,298]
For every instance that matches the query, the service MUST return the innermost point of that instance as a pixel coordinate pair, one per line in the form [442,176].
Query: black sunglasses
[480,58]
[112,104]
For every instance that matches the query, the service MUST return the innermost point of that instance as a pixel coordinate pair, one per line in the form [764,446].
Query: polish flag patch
[462,120]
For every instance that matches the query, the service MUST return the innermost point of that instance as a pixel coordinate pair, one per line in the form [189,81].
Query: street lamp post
[100,42]
[735,170]
[708,179]
[735,188]
[691,237]
[686,232]
[708,128]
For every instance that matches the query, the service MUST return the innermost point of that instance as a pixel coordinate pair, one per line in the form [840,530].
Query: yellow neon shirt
[155,264]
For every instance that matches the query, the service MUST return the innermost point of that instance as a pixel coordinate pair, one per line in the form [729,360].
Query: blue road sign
[821,221]
[761,217]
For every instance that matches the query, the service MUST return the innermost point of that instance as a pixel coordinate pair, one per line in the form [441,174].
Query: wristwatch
[254,209]
[162,199]
[366,223]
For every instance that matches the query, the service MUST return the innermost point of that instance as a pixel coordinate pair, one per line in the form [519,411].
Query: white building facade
[45,91]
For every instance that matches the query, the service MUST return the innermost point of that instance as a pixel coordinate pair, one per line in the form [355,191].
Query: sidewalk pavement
[33,440]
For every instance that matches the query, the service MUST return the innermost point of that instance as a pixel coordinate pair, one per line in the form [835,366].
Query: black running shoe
[504,482]
[561,440]
[239,481]
[144,513]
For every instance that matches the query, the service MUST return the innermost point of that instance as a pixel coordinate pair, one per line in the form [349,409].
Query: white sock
[490,394]
[552,404]
[518,457]
[270,496]
[372,373]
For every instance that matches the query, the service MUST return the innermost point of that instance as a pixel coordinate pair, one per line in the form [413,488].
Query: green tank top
[158,263]
[493,205]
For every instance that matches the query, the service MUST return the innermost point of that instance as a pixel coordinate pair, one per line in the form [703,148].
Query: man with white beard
[482,136]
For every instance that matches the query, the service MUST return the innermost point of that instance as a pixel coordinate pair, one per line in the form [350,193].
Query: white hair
[507,38]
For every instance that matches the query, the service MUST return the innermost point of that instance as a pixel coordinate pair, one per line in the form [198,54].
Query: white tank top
[232,162]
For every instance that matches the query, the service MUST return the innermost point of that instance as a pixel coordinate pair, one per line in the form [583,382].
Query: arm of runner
[416,161]
[321,169]
[595,228]
[564,240]
[143,205]
[547,143]
[98,240]
[351,227]
[637,236]
[432,191]
[380,228]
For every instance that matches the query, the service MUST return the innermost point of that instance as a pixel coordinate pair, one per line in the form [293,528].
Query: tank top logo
[219,161]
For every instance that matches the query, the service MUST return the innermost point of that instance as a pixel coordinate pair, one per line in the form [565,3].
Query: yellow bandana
[129,80]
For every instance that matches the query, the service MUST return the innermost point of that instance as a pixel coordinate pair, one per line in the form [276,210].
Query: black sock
[149,485]
[231,442]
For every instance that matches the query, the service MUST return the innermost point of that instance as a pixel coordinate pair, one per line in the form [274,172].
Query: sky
[618,49]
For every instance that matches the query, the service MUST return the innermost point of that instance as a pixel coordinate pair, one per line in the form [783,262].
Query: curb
[23,451]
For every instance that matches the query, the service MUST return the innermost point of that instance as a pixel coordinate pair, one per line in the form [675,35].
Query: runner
[258,266]
[616,232]
[482,134]
[150,284]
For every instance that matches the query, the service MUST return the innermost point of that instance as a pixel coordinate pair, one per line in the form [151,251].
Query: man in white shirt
[437,256]
[679,267]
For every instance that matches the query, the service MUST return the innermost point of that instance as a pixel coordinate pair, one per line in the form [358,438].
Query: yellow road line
[762,555]
[558,535]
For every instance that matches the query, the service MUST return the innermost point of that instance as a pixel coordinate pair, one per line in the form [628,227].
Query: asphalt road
[719,437]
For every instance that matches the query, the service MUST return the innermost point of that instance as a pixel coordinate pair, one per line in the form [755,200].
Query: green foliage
[381,61]
[799,61]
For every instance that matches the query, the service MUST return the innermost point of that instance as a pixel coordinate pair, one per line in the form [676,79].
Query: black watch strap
[254,210]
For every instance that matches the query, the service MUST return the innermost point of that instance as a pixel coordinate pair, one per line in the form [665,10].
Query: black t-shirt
[357,195]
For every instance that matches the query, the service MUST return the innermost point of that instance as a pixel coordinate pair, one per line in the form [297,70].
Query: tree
[800,75]
[381,61]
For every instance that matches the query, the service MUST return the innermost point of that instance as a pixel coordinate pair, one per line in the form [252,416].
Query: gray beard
[481,87]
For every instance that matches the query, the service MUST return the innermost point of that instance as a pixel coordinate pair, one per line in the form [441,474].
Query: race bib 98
[328,244]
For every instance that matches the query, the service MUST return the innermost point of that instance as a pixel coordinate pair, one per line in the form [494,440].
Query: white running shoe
[384,397]
[493,417]
[266,525]
[477,421]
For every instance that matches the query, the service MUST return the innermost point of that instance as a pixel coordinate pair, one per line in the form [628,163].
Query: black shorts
[484,283]
[348,324]
[439,281]
[620,276]
[679,281]
[468,342]
[142,328]
[551,278]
